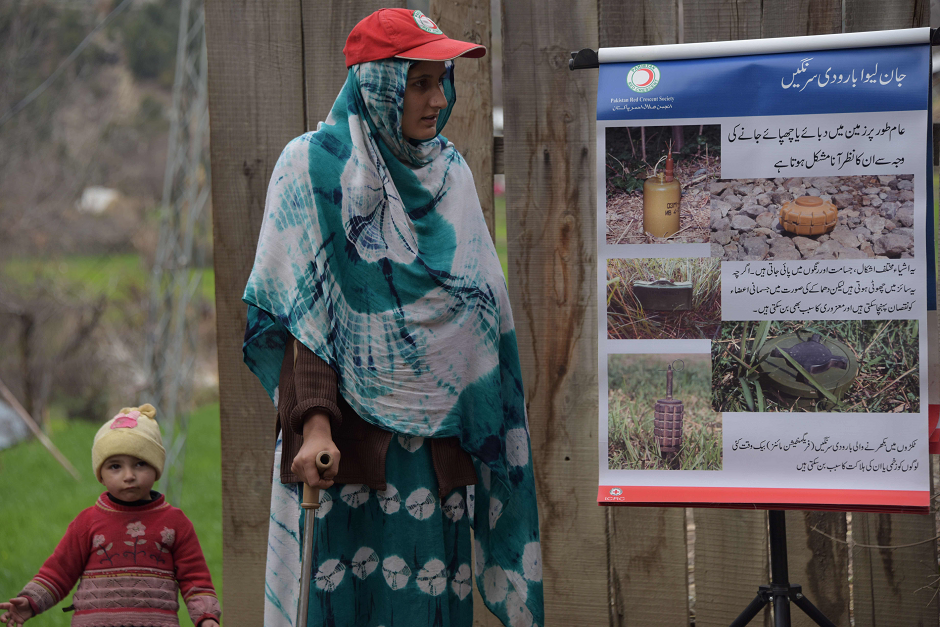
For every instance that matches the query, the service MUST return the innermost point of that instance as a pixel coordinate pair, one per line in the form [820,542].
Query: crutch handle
[311,498]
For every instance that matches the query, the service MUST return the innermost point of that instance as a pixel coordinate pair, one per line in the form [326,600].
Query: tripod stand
[780,590]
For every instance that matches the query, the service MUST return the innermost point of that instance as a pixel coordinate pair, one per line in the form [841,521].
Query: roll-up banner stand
[766,284]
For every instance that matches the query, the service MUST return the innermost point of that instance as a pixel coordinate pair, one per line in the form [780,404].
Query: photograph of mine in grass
[650,429]
[869,366]
[663,298]
[657,182]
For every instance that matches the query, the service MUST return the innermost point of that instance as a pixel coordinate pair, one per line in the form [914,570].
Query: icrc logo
[643,77]
[616,491]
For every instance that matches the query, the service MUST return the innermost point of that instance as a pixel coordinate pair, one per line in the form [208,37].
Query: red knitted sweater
[132,560]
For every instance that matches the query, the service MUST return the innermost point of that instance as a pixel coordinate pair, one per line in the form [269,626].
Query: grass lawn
[118,278]
[40,499]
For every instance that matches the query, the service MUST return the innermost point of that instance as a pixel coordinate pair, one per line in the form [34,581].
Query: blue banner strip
[895,78]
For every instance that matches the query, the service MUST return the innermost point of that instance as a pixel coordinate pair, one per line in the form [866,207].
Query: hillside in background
[102,123]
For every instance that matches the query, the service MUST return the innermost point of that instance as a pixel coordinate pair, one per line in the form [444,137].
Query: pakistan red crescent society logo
[643,77]
[616,491]
[426,24]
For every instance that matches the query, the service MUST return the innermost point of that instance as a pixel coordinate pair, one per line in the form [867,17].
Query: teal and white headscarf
[374,253]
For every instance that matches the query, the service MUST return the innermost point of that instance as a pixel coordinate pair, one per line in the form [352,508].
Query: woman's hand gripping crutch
[310,504]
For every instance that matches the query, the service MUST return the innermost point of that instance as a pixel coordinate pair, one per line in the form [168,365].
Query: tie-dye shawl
[374,253]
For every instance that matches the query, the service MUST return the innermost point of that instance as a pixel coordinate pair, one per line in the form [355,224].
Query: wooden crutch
[310,504]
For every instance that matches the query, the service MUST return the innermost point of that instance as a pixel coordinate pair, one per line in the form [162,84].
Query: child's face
[127,477]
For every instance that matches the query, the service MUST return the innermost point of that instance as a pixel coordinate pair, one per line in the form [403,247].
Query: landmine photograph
[832,217]
[657,182]
[663,298]
[659,413]
[868,366]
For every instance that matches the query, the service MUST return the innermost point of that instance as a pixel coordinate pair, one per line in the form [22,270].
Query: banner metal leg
[780,591]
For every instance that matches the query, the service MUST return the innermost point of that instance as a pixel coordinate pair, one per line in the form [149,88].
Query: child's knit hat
[133,431]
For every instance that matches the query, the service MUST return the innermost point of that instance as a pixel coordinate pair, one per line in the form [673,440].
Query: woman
[375,256]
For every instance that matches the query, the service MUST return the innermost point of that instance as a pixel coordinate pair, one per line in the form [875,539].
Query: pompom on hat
[133,431]
[404,34]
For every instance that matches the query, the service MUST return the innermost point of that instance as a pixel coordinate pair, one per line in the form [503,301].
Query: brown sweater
[310,385]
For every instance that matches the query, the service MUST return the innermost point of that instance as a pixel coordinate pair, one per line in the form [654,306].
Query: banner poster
[765,270]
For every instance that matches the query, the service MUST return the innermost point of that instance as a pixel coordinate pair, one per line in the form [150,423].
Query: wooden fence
[275,67]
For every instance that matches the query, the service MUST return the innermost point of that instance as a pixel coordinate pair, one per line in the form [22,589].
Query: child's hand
[18,611]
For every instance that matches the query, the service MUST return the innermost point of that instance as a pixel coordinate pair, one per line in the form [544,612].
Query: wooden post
[471,122]
[894,584]
[551,232]
[256,105]
[326,25]
[889,583]
[731,561]
[647,550]
[819,563]
[792,18]
[470,128]
[721,20]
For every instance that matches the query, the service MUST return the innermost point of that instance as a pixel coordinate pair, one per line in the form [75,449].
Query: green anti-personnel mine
[664,295]
[831,363]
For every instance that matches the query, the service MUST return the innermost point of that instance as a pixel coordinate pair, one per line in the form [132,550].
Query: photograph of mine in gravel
[833,217]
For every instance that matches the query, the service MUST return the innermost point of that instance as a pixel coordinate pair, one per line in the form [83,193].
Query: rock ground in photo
[875,218]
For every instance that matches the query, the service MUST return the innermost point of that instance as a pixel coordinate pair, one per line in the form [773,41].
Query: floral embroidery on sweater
[167,536]
[135,530]
[99,540]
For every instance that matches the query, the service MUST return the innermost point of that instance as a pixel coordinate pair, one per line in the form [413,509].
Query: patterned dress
[392,557]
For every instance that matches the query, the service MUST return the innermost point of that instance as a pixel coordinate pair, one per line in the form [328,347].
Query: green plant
[627,170]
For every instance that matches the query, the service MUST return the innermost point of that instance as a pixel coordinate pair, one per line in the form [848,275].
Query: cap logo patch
[125,422]
[426,24]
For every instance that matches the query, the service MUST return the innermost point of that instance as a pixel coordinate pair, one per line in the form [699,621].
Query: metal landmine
[831,363]
[664,295]
[808,215]
[667,419]
[661,195]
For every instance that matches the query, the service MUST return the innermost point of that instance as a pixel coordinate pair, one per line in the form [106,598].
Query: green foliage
[41,499]
[150,35]
[635,383]
[501,245]
[71,30]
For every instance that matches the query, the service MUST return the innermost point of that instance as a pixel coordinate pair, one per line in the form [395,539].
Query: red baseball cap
[403,34]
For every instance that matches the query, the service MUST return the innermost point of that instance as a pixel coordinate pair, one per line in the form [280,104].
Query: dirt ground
[625,209]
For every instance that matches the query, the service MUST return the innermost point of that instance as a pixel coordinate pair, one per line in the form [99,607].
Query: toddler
[132,550]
